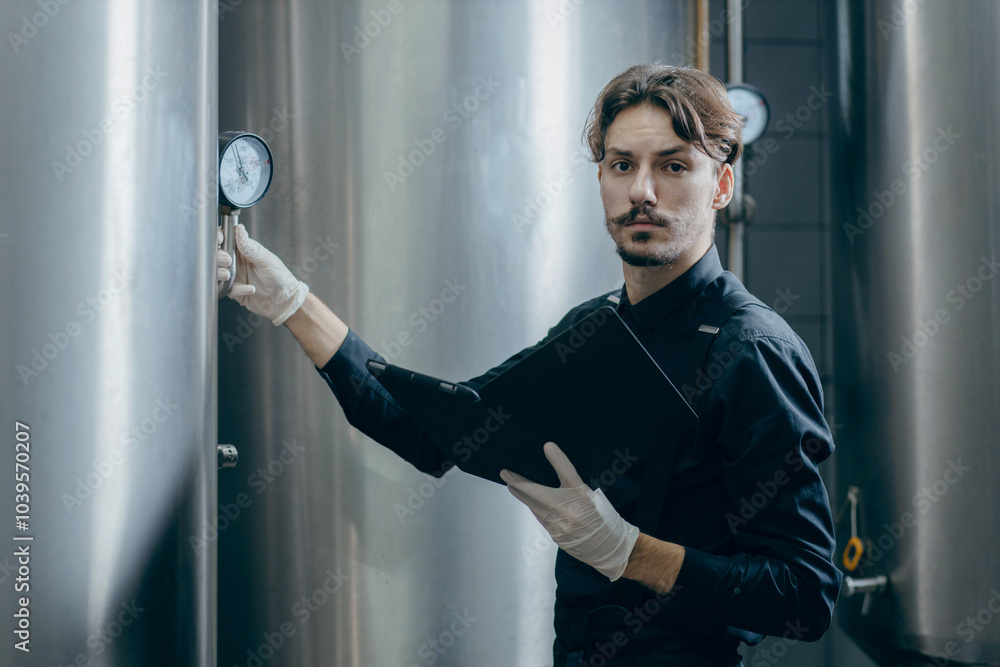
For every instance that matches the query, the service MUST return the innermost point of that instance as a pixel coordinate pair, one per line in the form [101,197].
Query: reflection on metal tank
[109,330]
[430,186]
[918,323]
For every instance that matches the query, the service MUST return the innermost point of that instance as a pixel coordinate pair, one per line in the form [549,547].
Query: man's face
[660,193]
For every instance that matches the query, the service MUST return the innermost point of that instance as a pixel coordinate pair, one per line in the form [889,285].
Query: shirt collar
[659,304]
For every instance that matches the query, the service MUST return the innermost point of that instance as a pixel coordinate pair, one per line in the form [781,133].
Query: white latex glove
[263,284]
[580,520]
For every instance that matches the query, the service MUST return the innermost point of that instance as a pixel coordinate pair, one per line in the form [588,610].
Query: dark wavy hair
[696,101]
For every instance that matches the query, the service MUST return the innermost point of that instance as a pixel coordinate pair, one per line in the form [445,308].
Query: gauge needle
[239,164]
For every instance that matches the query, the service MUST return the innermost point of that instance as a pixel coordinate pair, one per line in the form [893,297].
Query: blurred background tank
[918,324]
[108,327]
[430,185]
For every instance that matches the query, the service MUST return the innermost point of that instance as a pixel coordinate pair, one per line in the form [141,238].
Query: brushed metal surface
[917,321]
[430,185]
[109,328]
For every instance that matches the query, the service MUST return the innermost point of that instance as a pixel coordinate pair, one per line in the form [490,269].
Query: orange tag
[852,553]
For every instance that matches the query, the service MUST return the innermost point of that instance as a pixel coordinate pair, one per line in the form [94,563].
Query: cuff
[697,580]
[298,298]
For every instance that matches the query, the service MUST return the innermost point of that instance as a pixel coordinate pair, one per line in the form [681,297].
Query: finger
[568,477]
[219,237]
[525,498]
[249,248]
[242,290]
[224,258]
[223,274]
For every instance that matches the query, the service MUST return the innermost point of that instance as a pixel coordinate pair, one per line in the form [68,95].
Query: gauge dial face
[749,103]
[244,170]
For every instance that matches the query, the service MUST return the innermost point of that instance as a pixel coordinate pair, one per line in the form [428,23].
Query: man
[719,540]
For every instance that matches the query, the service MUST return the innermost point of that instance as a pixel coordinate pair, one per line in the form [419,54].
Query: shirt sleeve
[767,409]
[373,411]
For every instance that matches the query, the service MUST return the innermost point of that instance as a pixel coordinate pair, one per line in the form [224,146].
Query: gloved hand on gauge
[580,520]
[263,285]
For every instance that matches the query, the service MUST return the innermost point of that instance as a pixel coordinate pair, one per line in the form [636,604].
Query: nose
[643,188]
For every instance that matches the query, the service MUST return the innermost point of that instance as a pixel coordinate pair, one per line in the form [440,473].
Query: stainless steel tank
[430,185]
[108,332]
[918,324]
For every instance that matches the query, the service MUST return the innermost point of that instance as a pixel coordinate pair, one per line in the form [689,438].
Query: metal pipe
[736,213]
[702,35]
[853,586]
[228,219]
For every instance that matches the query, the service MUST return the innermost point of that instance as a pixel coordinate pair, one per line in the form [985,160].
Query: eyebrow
[666,152]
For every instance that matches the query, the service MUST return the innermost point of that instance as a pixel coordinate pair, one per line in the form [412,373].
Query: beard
[645,250]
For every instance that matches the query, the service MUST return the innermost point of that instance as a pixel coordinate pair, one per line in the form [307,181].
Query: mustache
[646,211]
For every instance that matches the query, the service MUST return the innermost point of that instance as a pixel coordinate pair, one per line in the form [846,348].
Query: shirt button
[736,591]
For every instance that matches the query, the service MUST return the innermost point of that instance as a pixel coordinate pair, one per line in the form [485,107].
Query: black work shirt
[745,499]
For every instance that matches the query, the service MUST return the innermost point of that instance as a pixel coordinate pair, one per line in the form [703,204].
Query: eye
[676,168]
[620,166]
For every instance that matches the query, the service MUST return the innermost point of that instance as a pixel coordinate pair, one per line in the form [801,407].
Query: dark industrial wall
[787,56]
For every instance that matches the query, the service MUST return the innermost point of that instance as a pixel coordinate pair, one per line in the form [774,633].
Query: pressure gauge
[244,169]
[749,102]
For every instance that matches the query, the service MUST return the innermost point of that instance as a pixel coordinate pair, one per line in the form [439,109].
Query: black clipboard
[593,389]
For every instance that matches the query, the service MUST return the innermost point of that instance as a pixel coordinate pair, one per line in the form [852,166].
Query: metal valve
[868,586]
[228,456]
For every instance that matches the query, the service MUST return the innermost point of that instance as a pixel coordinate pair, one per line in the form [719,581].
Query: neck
[641,281]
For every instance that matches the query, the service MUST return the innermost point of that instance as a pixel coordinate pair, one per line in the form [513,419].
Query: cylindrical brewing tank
[430,185]
[918,324]
[109,331]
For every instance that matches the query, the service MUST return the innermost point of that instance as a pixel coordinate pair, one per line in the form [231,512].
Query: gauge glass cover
[245,170]
[749,102]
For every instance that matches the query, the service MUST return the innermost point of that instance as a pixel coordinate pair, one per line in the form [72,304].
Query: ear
[600,171]
[723,187]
